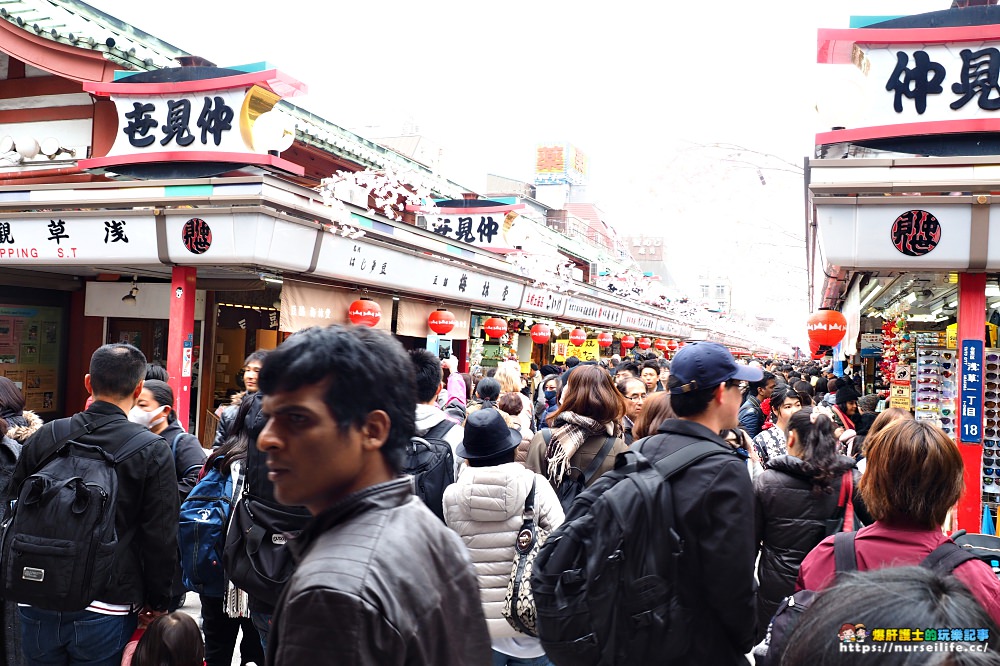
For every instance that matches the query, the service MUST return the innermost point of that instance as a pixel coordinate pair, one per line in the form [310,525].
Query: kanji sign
[916,232]
[197,235]
[972,391]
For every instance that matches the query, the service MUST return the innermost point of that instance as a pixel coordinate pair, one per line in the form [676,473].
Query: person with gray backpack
[90,531]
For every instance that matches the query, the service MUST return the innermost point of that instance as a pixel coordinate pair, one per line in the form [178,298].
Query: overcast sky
[647,90]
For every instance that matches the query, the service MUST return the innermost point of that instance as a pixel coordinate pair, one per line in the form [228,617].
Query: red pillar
[971,315]
[180,340]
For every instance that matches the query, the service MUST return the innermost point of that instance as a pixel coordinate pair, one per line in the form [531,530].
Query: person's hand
[147,615]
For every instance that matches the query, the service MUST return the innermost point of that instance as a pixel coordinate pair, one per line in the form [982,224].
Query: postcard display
[30,353]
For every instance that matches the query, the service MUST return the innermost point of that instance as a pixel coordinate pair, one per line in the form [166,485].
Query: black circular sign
[916,232]
[197,236]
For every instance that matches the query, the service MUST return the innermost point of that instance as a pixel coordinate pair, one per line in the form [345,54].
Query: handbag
[843,519]
[519,604]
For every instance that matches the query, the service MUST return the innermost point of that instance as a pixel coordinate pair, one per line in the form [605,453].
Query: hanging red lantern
[578,336]
[441,321]
[827,327]
[604,339]
[660,344]
[814,346]
[645,343]
[495,327]
[680,343]
[673,345]
[540,334]
[627,342]
[364,312]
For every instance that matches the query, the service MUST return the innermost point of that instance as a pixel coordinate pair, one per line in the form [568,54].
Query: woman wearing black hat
[844,409]
[485,507]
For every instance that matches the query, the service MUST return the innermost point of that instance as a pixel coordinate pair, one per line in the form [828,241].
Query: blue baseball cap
[702,365]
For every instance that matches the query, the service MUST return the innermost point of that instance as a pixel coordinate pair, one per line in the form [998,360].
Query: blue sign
[972,391]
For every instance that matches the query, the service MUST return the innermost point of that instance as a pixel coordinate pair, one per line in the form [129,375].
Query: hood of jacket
[489,494]
[427,416]
[793,466]
[21,432]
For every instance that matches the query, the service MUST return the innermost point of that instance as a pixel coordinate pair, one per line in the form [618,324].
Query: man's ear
[375,430]
[86,383]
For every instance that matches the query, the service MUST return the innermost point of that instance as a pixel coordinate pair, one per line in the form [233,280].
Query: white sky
[645,89]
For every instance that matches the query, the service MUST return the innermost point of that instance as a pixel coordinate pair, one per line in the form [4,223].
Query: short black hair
[572,362]
[154,371]
[427,374]
[651,364]
[754,386]
[116,370]
[341,357]
[488,388]
[628,366]
[534,366]
[694,402]
[258,355]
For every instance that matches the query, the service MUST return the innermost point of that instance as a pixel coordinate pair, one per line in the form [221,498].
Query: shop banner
[304,305]
[411,319]
[544,302]
[592,312]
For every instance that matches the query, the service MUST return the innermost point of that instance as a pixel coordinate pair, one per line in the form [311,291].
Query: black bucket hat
[487,435]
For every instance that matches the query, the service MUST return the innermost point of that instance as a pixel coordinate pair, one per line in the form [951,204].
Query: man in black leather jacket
[146,518]
[380,580]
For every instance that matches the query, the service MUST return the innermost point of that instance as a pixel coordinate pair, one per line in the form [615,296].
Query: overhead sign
[592,312]
[543,302]
[207,115]
[557,164]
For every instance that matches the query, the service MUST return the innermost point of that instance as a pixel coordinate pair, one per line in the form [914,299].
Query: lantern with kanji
[827,327]
[627,342]
[540,334]
[495,327]
[441,321]
[645,343]
[578,336]
[673,345]
[364,312]
[604,339]
[660,344]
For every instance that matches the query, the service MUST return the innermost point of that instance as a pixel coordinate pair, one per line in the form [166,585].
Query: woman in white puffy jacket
[485,506]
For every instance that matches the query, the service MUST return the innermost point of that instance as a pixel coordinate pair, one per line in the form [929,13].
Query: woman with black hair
[21,423]
[155,410]
[795,499]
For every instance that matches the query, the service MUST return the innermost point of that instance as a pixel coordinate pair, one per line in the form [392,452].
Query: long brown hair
[591,392]
[655,410]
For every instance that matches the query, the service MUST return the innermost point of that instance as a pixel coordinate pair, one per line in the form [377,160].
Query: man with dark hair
[713,507]
[378,576]
[145,520]
[431,421]
[650,376]
[752,414]
[625,370]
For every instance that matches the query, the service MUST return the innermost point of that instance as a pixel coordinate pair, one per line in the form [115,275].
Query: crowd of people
[380,574]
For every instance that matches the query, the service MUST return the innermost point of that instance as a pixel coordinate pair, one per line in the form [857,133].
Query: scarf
[572,431]
[848,423]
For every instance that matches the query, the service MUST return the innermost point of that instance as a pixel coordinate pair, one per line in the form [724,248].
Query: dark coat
[380,580]
[189,457]
[752,416]
[789,521]
[146,511]
[713,505]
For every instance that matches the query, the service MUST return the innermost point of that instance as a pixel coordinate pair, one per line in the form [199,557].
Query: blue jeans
[80,638]
[262,622]
[501,659]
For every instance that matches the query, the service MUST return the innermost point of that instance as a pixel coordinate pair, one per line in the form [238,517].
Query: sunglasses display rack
[991,426]
[935,387]
[930,338]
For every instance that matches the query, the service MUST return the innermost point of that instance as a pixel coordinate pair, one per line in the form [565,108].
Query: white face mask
[139,415]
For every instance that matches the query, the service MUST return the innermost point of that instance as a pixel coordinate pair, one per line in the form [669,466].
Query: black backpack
[575,480]
[431,463]
[942,559]
[605,582]
[60,541]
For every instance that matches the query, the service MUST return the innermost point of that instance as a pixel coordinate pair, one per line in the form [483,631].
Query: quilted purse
[519,604]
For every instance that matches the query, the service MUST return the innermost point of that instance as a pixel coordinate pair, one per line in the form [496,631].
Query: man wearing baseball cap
[713,505]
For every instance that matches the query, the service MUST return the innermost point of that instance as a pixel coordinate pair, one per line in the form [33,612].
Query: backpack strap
[173,444]
[845,557]
[686,456]
[945,558]
[134,445]
[598,460]
[61,442]
[439,430]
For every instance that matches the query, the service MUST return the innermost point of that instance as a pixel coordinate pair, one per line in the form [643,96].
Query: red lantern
[540,334]
[814,346]
[627,342]
[604,339]
[364,312]
[644,343]
[441,321]
[660,344]
[680,344]
[578,336]
[673,345]
[827,327]
[495,327]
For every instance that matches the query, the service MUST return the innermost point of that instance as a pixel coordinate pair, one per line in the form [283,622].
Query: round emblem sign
[197,236]
[916,232]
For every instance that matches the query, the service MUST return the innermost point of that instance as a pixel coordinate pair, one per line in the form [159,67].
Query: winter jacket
[427,417]
[752,416]
[789,520]
[22,426]
[189,457]
[713,507]
[886,544]
[485,508]
[146,509]
[379,581]
[226,416]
